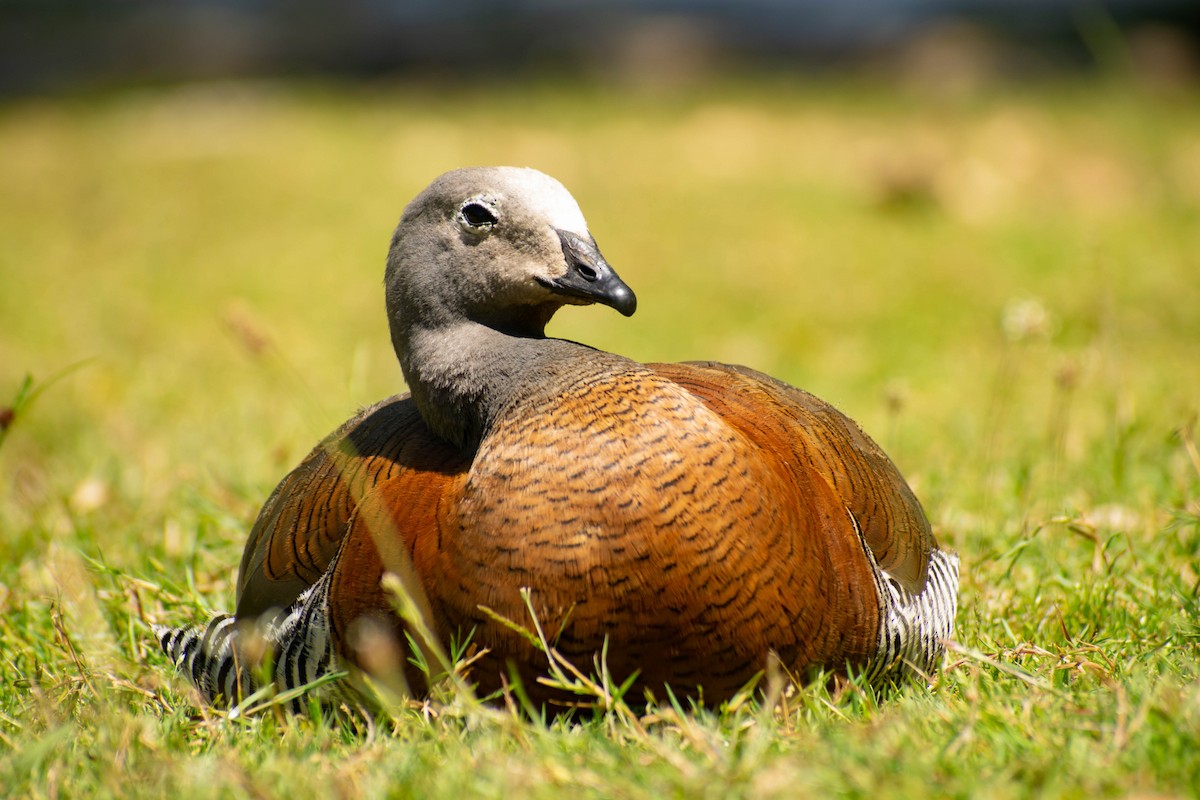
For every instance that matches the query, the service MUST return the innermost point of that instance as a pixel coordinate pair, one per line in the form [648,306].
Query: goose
[690,521]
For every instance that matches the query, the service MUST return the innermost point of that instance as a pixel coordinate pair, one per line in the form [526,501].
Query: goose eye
[476,216]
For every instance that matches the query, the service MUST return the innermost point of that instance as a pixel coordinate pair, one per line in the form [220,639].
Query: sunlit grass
[1004,291]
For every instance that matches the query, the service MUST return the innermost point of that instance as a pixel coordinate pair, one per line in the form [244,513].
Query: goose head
[502,247]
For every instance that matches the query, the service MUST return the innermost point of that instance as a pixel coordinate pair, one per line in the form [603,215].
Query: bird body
[689,519]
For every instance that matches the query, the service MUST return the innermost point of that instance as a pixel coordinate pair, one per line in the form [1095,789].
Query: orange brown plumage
[697,517]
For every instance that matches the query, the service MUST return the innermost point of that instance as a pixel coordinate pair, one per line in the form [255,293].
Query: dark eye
[477,216]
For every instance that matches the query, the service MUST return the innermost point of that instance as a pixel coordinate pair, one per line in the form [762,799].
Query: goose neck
[462,375]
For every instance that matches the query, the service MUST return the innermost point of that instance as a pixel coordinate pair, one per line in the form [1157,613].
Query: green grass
[1004,290]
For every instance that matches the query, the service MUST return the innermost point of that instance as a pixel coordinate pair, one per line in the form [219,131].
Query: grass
[1002,289]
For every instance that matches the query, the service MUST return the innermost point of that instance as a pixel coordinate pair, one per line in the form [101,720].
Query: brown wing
[303,523]
[817,434]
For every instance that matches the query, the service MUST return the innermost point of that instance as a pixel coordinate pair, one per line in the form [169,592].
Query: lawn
[1004,289]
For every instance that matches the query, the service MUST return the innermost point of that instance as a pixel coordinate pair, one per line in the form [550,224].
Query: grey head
[503,247]
[480,262]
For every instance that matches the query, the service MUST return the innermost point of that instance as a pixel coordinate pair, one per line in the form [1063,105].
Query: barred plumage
[295,648]
[913,628]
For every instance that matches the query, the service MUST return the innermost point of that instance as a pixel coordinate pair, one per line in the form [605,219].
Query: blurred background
[84,44]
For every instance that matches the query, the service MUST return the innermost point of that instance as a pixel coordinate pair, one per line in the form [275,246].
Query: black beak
[590,277]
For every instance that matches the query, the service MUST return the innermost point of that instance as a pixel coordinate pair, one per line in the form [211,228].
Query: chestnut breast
[635,513]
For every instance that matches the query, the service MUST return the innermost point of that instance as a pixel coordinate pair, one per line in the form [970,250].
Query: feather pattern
[689,519]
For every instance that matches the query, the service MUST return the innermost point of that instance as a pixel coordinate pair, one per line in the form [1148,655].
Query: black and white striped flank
[215,658]
[913,629]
